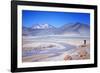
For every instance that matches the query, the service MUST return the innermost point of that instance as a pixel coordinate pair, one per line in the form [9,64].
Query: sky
[56,19]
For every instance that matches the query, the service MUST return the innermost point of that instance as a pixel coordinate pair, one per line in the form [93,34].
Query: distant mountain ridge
[77,28]
[67,29]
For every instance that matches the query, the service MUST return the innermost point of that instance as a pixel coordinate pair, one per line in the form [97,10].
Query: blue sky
[56,19]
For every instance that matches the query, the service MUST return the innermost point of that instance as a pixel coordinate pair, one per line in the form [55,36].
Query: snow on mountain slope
[42,26]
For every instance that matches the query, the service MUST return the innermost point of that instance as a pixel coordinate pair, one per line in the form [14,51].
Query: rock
[67,57]
[82,54]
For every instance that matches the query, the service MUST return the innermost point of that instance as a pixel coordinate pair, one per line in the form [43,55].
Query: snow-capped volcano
[42,26]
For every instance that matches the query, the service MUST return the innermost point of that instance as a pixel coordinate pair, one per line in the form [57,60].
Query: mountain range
[47,29]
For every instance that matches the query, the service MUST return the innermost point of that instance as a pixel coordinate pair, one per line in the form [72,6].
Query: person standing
[84,42]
